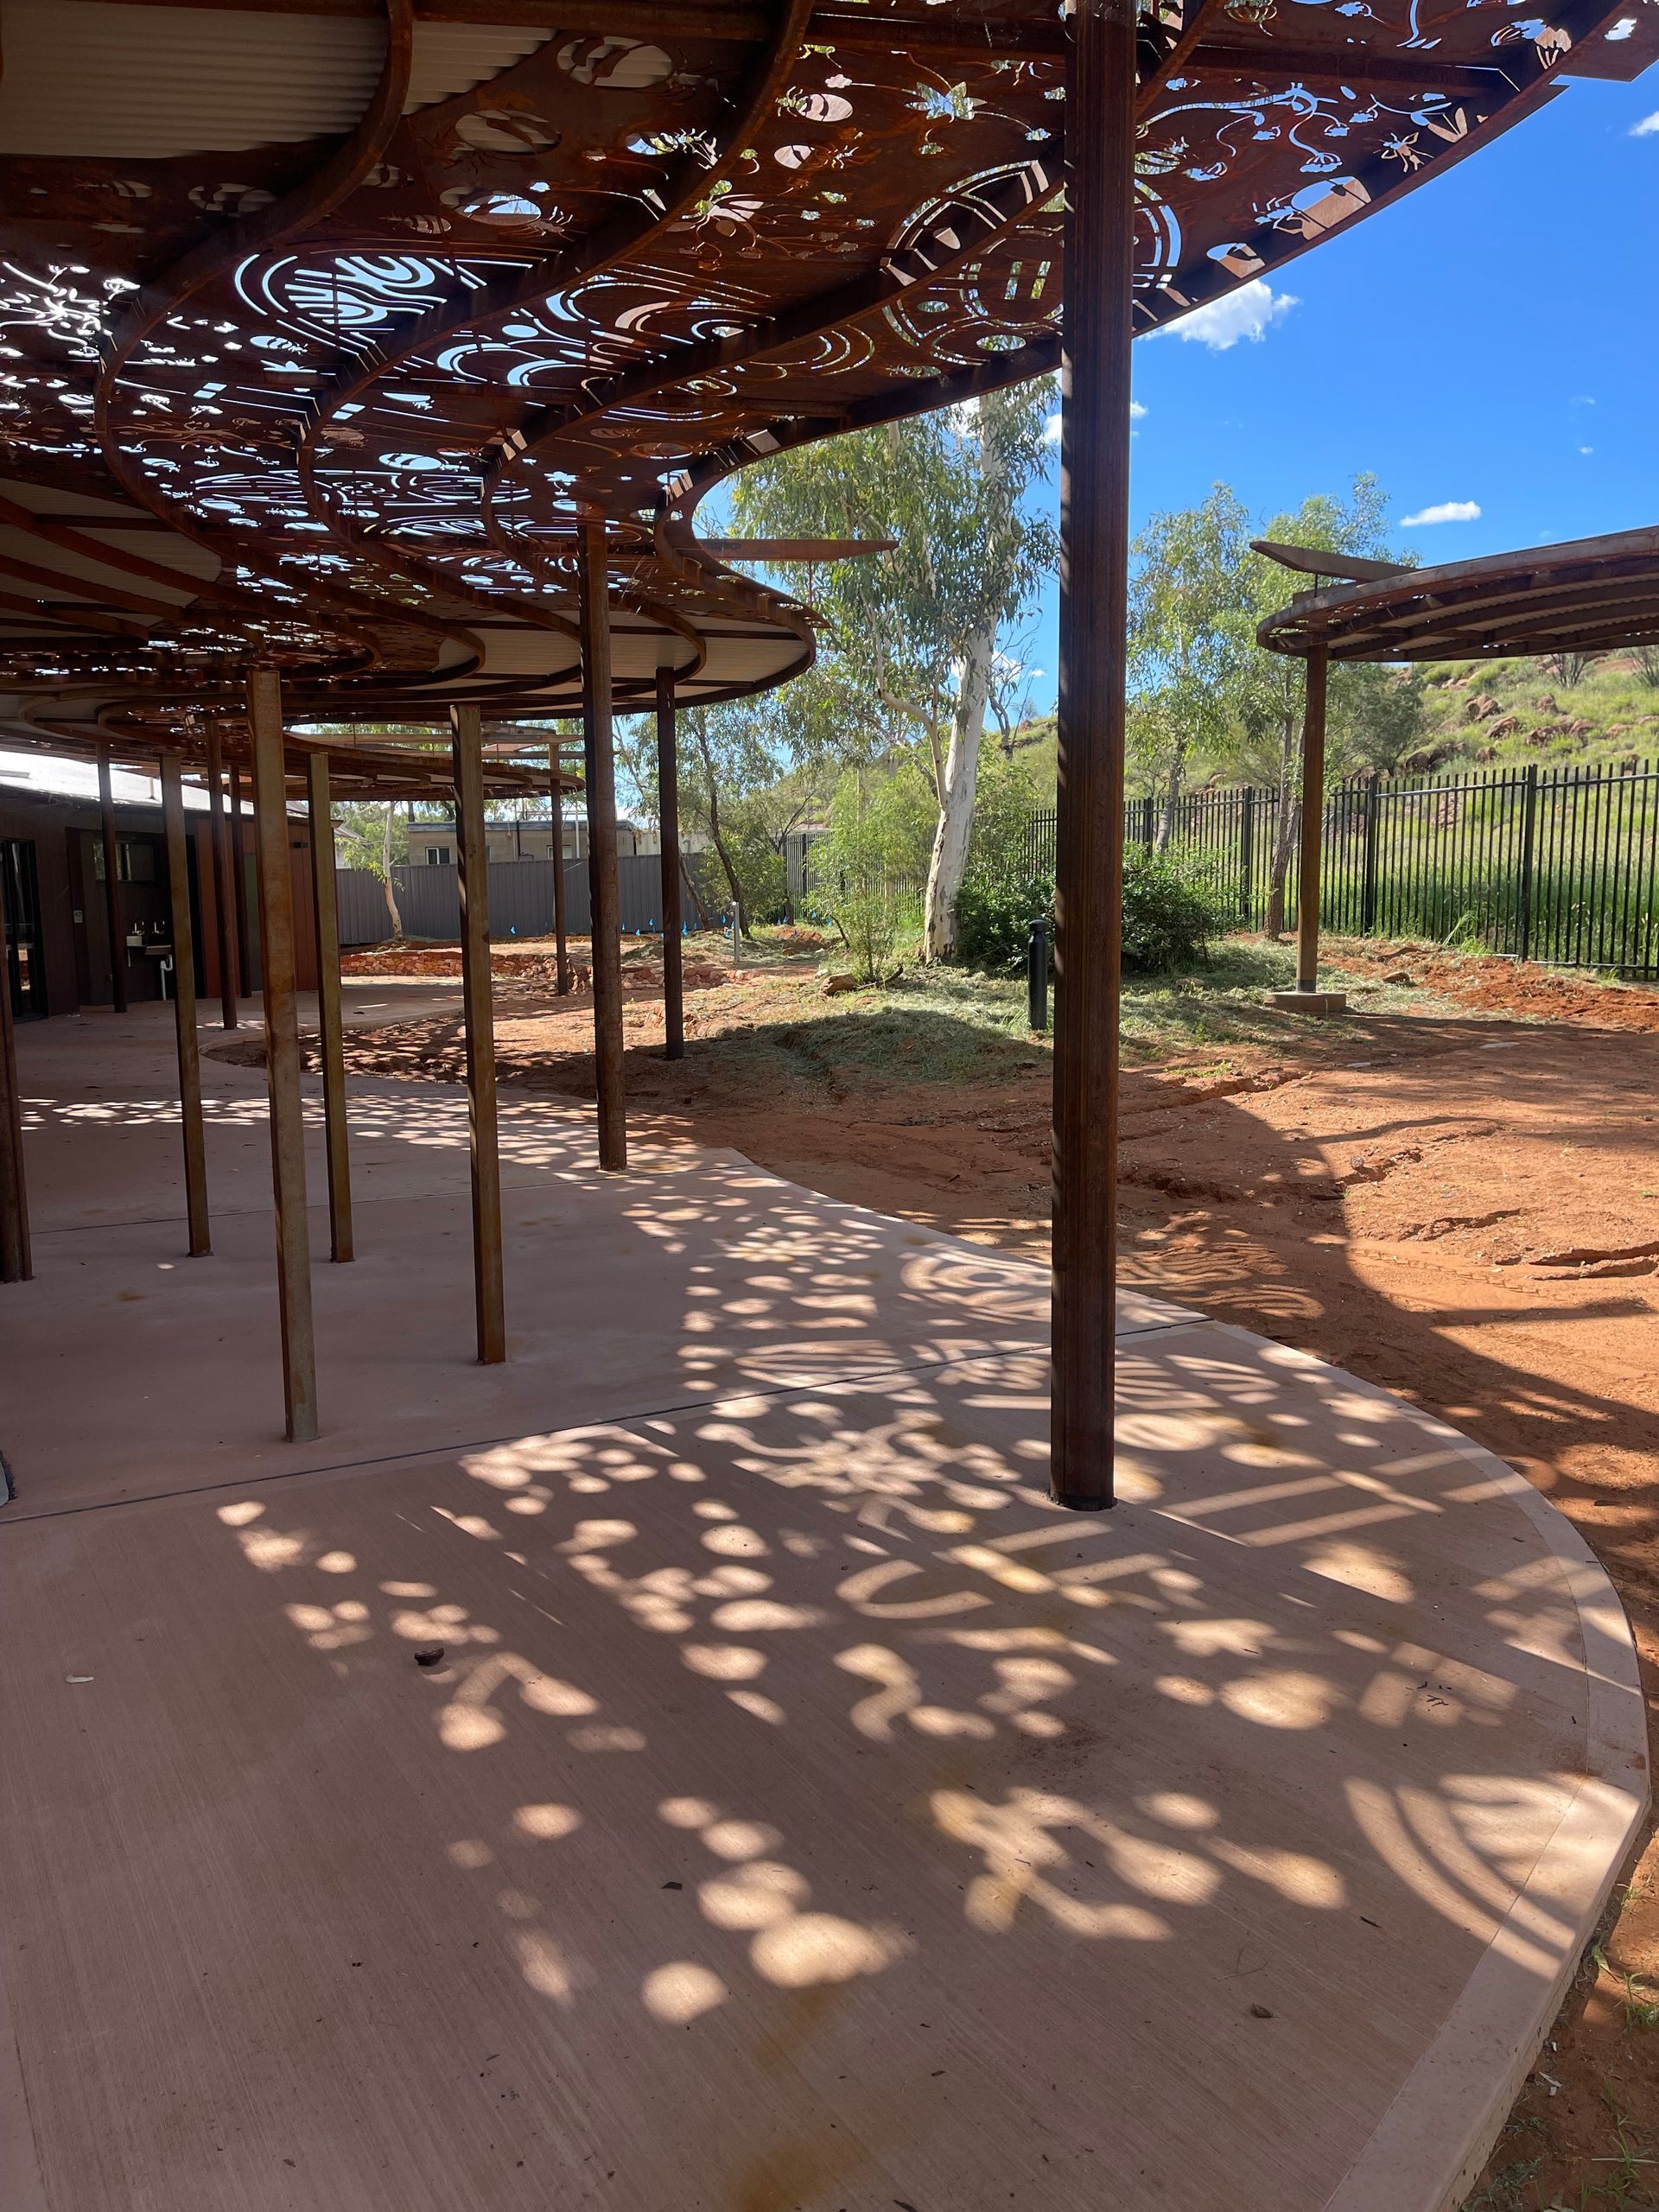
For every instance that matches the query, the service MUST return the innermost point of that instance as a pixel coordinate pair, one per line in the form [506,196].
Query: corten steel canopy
[326,328]
[366,364]
[1591,595]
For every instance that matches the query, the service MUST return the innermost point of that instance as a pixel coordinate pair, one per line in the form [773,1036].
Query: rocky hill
[1602,713]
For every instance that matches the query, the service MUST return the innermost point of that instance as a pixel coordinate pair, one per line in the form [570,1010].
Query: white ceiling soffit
[104,81]
[78,569]
[527,651]
[88,517]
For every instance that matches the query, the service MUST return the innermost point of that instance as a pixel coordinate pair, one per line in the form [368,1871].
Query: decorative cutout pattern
[607,274]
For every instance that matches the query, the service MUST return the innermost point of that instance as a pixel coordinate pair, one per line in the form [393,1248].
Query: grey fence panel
[363,916]
[521,900]
[428,899]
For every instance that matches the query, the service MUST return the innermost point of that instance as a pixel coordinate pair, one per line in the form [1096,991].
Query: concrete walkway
[802,1813]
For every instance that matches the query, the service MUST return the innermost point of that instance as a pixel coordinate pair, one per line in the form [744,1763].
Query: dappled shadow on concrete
[798,1810]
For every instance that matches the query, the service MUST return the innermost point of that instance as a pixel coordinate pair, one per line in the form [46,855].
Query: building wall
[74,945]
[24,816]
[432,844]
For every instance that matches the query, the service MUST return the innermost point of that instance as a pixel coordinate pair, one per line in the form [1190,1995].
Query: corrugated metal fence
[1558,865]
[521,900]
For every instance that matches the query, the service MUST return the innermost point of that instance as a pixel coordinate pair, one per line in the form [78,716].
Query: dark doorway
[146,924]
[21,890]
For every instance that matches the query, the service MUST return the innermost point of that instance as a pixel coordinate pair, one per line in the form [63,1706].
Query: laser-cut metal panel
[374,376]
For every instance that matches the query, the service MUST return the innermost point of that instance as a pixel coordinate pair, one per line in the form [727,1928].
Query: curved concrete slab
[801,1812]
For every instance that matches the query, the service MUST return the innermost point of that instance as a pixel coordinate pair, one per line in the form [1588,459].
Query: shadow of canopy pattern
[326,330]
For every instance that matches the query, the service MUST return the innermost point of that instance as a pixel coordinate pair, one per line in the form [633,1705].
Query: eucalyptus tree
[912,635]
[1191,623]
[1204,692]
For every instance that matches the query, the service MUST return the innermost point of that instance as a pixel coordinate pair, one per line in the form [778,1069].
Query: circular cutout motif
[498,130]
[617,65]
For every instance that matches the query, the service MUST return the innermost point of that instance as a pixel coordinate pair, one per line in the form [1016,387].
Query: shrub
[1171,915]
[1000,898]
[993,920]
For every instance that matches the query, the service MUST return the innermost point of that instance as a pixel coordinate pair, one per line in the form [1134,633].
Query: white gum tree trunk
[949,860]
[385,873]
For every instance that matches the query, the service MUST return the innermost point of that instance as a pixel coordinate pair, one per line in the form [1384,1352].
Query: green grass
[950,1025]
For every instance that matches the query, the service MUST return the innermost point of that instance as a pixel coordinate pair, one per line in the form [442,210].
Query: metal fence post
[1246,858]
[1368,884]
[1528,831]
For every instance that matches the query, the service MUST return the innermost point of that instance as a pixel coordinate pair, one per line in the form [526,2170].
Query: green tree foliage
[1189,639]
[909,637]
[867,870]
[1207,696]
[1001,895]
[374,834]
[732,774]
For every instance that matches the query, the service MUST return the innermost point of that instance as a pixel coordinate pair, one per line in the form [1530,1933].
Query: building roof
[326,330]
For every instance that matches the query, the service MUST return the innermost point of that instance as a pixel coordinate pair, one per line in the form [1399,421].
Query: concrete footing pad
[798,1810]
[1311,1001]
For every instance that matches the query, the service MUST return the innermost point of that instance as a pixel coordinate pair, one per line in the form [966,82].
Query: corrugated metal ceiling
[111,82]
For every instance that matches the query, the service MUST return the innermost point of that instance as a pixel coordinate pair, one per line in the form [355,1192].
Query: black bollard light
[1037,974]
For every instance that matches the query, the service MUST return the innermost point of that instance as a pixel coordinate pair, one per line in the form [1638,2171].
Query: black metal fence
[1558,865]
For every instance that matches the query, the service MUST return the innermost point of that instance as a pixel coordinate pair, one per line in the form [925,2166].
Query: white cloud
[1647,128]
[1249,312]
[1448,510]
[1586,448]
[1051,428]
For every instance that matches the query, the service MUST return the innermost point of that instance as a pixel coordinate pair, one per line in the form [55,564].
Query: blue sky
[1466,346]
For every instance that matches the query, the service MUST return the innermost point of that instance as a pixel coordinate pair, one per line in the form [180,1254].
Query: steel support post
[561,928]
[325,909]
[224,883]
[473,864]
[282,1054]
[1094,602]
[17,1264]
[668,808]
[238,886]
[111,883]
[184,1006]
[1308,890]
[603,899]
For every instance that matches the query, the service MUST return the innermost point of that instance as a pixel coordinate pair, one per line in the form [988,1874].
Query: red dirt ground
[1462,1206]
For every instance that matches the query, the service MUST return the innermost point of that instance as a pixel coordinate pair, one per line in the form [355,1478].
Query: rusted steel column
[184,1006]
[473,859]
[668,808]
[111,883]
[1094,601]
[1307,888]
[223,882]
[325,907]
[238,898]
[282,1054]
[556,805]
[604,910]
[17,1264]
